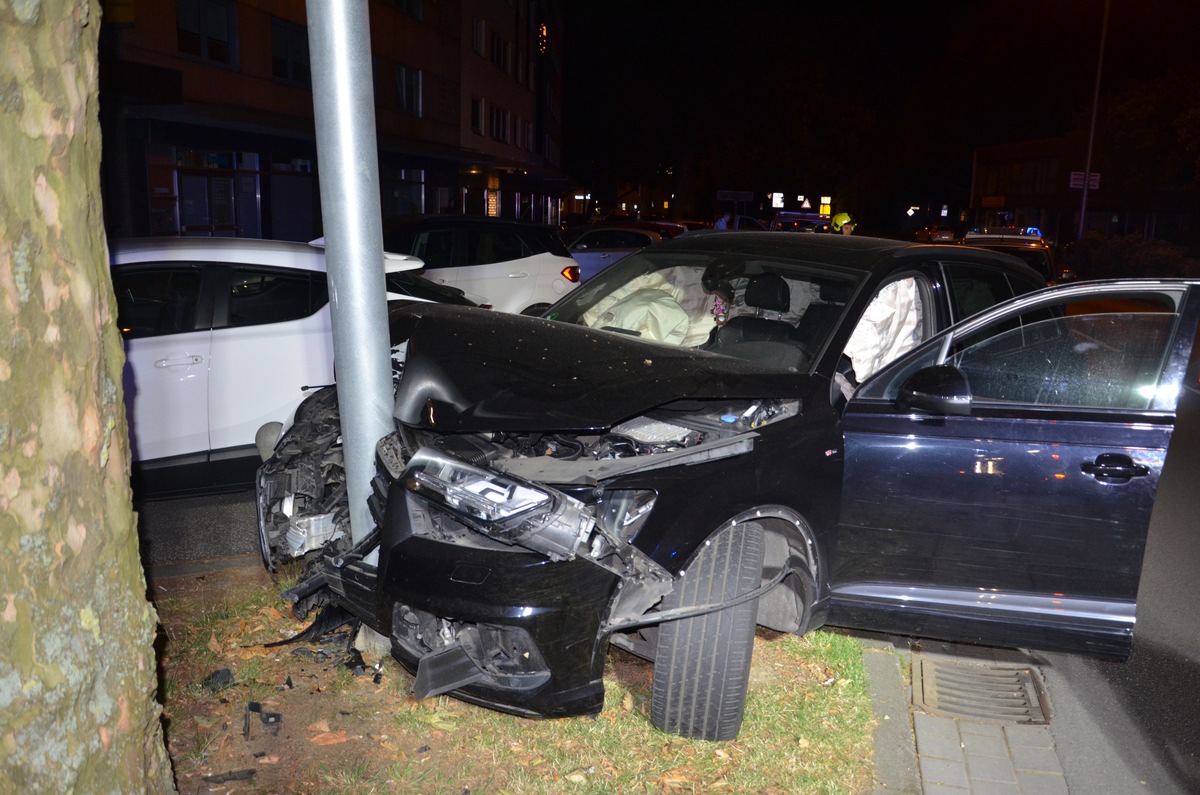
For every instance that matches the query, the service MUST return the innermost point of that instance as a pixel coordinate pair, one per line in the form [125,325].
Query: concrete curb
[896,767]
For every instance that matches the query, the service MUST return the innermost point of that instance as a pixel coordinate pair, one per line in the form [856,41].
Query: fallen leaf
[577,776]
[319,726]
[804,742]
[439,720]
[213,644]
[269,759]
[627,702]
[329,738]
[673,777]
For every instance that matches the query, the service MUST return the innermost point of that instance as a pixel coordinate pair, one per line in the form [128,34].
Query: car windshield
[779,312]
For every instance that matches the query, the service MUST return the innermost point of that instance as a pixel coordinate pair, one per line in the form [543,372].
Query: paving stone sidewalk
[917,753]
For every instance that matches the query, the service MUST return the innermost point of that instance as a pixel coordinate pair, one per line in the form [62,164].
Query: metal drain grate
[993,692]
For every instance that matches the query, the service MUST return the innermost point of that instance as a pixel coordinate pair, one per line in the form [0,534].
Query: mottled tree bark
[77,666]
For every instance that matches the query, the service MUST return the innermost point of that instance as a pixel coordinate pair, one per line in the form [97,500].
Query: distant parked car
[746,223]
[222,335]
[508,265]
[787,221]
[601,246]
[934,234]
[1024,243]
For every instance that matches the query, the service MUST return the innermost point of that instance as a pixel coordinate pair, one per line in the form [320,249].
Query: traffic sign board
[1093,180]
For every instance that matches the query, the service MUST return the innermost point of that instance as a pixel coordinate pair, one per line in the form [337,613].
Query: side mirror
[937,390]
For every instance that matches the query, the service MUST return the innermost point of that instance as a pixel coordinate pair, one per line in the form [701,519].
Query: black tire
[702,664]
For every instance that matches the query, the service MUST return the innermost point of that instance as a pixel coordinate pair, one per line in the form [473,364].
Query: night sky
[858,97]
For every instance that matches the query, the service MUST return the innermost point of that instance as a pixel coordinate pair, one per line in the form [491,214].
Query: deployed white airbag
[890,327]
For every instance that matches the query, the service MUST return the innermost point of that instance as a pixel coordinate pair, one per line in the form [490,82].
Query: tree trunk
[77,664]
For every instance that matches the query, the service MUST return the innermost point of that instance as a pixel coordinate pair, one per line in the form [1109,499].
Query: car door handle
[180,361]
[517,275]
[1114,468]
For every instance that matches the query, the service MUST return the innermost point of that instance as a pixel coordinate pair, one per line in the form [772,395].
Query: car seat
[769,296]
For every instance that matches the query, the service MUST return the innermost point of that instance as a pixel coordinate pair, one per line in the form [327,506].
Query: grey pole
[339,43]
[1087,168]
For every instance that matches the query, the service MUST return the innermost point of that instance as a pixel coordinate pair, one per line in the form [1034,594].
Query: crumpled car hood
[472,370]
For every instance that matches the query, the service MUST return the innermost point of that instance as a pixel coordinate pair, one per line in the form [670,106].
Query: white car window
[259,296]
[152,302]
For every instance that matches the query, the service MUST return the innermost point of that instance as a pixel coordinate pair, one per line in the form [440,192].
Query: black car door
[999,481]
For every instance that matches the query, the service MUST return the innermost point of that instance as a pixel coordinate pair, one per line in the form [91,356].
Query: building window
[477,116]
[410,7]
[289,52]
[500,54]
[478,35]
[207,29]
[408,89]
[498,126]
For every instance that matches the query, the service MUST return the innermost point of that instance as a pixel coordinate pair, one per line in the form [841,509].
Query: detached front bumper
[510,630]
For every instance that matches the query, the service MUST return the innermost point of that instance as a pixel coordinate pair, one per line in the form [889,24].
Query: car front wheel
[702,664]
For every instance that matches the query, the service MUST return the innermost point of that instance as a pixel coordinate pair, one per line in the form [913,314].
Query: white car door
[275,339]
[166,373]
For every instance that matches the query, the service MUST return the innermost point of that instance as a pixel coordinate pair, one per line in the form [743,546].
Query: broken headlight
[622,512]
[500,506]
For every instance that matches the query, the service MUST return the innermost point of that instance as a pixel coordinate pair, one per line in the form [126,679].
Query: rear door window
[155,301]
[485,246]
[258,296]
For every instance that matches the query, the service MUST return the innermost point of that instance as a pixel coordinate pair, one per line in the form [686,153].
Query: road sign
[1093,180]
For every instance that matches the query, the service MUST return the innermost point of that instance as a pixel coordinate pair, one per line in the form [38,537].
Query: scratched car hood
[471,369]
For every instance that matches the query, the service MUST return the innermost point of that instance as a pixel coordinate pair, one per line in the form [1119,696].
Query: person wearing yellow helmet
[842,222]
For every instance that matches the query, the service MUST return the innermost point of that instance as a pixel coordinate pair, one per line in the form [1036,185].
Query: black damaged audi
[727,430]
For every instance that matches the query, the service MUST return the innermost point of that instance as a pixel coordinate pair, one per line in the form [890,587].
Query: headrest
[768,291]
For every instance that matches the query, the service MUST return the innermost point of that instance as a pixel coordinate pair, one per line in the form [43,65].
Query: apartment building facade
[207,114]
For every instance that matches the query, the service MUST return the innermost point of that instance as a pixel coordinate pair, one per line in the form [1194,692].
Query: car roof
[224,249]
[452,221]
[849,252]
[645,230]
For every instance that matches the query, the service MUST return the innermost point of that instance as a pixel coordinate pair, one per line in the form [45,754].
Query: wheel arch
[789,540]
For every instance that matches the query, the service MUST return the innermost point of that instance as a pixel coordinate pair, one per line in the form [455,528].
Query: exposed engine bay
[302,494]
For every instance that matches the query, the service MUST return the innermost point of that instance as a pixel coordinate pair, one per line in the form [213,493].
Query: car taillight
[571,273]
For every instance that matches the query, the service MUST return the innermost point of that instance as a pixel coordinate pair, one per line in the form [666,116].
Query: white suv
[508,265]
[221,336]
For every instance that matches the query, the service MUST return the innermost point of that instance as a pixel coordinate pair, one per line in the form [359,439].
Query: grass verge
[808,724]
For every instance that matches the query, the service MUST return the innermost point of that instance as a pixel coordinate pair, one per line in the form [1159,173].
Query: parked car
[1024,243]
[221,335]
[508,265]
[547,495]
[935,233]
[746,223]
[788,221]
[600,246]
